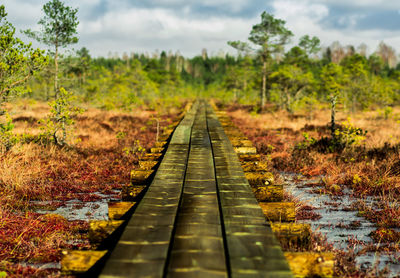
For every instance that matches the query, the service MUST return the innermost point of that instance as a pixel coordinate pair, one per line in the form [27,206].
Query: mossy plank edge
[164,137]
[268,193]
[249,157]
[292,235]
[157,150]
[245,150]
[279,211]
[151,156]
[117,210]
[228,125]
[160,144]
[130,192]
[168,131]
[260,178]
[148,164]
[232,131]
[309,264]
[254,166]
[78,261]
[99,230]
[242,143]
[140,176]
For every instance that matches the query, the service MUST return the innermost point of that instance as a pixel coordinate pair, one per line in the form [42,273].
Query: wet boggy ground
[339,220]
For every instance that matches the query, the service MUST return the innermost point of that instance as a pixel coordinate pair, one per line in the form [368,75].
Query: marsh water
[76,209]
[341,226]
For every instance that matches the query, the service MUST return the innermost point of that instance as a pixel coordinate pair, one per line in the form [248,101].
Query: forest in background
[265,73]
[265,70]
[295,79]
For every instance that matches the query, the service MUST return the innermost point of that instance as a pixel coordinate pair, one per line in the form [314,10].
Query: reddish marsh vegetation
[362,164]
[104,148]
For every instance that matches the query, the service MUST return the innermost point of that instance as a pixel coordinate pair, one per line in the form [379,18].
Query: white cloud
[24,14]
[301,17]
[377,4]
[119,25]
[149,29]
[304,17]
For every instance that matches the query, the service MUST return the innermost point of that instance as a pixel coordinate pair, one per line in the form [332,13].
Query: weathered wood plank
[309,264]
[198,247]
[119,210]
[268,193]
[253,249]
[199,216]
[279,211]
[78,262]
[142,250]
[99,230]
[293,235]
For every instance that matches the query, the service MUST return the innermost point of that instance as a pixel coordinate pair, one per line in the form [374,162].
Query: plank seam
[221,216]
[171,243]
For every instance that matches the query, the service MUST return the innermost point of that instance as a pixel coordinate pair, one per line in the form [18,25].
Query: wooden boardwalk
[199,217]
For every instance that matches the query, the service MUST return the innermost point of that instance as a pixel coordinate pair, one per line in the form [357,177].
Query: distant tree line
[264,72]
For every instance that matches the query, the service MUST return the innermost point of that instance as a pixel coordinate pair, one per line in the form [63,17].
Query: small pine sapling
[55,126]
[59,27]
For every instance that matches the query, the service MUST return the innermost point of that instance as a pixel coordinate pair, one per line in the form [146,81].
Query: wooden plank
[78,262]
[253,249]
[249,157]
[151,156]
[293,235]
[143,247]
[279,211]
[309,264]
[140,176]
[253,166]
[99,230]
[198,247]
[147,164]
[268,193]
[260,178]
[131,192]
[119,210]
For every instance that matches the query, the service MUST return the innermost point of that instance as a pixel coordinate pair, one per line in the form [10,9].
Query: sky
[188,26]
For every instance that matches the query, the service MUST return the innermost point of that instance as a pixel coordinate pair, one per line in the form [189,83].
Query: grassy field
[103,149]
[365,164]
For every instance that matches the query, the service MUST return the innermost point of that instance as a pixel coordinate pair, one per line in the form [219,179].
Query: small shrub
[307,142]
[7,138]
[54,127]
[348,135]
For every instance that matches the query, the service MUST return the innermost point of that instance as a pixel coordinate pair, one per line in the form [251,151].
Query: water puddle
[42,266]
[334,218]
[76,209]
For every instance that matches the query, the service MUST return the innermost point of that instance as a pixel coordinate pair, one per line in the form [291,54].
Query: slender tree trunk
[47,92]
[333,111]
[235,91]
[264,84]
[64,129]
[56,93]
[60,141]
[56,73]
[288,100]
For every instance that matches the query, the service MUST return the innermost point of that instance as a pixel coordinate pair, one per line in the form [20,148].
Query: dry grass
[372,168]
[103,149]
[20,169]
